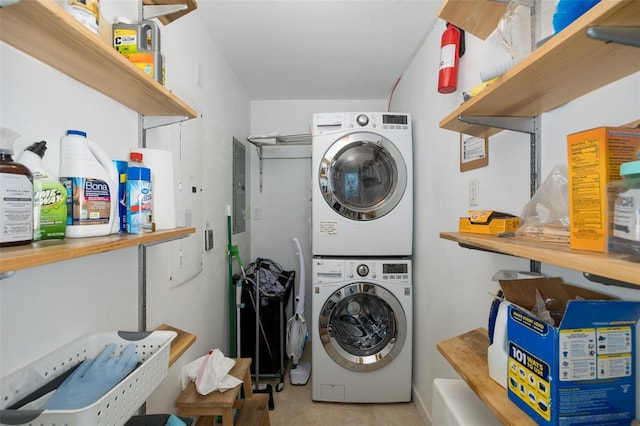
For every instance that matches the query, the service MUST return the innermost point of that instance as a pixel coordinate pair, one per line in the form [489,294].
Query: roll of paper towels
[163,209]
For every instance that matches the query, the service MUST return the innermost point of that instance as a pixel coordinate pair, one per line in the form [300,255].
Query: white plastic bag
[546,216]
[210,373]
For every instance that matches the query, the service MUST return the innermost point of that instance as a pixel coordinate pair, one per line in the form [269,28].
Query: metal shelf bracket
[608,281]
[152,121]
[629,36]
[154,10]
[517,124]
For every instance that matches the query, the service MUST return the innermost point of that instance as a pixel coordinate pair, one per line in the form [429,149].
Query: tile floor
[294,407]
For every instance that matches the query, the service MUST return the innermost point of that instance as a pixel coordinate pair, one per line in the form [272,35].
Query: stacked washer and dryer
[362,289]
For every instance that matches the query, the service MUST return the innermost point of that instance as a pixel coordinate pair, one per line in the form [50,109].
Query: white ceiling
[318,49]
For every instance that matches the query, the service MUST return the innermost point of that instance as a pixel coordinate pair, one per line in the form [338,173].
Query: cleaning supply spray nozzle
[38,148]
[7,138]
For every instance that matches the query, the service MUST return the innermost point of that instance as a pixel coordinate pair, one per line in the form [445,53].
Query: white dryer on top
[362,173]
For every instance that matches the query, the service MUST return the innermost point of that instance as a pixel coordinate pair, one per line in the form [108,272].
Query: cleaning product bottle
[49,196]
[136,159]
[626,214]
[121,167]
[16,195]
[149,43]
[90,178]
[125,36]
[87,12]
[497,351]
[139,196]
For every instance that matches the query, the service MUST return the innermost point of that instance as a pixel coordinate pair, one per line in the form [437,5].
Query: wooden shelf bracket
[629,36]
[517,124]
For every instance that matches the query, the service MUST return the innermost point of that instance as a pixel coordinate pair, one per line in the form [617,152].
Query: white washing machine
[362,174]
[362,330]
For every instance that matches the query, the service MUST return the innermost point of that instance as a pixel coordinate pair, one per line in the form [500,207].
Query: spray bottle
[49,196]
[16,195]
[91,181]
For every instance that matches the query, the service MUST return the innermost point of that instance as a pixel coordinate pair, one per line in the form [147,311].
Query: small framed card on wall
[474,152]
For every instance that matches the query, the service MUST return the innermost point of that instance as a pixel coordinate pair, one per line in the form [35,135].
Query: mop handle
[301,280]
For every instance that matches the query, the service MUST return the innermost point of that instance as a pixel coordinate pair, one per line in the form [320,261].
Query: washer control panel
[328,271]
[397,271]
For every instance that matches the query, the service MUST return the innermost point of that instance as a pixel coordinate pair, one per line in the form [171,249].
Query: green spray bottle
[49,196]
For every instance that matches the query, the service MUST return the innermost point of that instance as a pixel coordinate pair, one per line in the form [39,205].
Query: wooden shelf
[52,251]
[180,344]
[42,29]
[566,67]
[614,266]
[479,18]
[467,354]
[167,19]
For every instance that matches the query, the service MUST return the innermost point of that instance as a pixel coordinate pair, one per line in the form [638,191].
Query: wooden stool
[254,411]
[191,403]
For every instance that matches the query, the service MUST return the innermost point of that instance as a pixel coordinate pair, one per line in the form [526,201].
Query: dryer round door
[362,176]
[362,326]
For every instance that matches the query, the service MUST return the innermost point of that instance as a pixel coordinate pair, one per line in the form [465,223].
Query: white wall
[42,308]
[45,307]
[453,285]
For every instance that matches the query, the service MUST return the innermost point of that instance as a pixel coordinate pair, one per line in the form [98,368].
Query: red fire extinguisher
[452,48]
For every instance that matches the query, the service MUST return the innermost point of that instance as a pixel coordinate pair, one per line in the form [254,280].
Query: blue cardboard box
[581,371]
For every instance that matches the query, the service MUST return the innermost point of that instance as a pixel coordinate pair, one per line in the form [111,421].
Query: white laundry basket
[455,404]
[115,407]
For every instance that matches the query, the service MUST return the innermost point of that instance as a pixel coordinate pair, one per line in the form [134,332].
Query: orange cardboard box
[488,222]
[594,158]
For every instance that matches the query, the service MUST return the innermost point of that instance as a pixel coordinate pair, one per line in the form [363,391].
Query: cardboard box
[580,371]
[594,158]
[488,222]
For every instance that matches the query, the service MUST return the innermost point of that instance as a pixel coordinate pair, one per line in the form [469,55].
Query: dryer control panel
[326,123]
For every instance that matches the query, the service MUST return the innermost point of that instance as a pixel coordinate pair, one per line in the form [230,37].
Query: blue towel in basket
[93,379]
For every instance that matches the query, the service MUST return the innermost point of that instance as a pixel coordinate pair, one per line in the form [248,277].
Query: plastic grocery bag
[210,373]
[546,216]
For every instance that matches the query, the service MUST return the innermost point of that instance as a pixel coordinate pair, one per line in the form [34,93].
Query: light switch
[474,192]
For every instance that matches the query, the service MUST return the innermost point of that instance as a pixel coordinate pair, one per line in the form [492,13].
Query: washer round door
[362,176]
[362,326]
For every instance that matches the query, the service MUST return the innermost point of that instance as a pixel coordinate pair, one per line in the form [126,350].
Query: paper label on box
[531,323]
[528,378]
[577,354]
[614,340]
[613,366]
[589,354]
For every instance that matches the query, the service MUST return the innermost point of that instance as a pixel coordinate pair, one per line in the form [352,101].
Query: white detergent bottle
[497,358]
[91,181]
